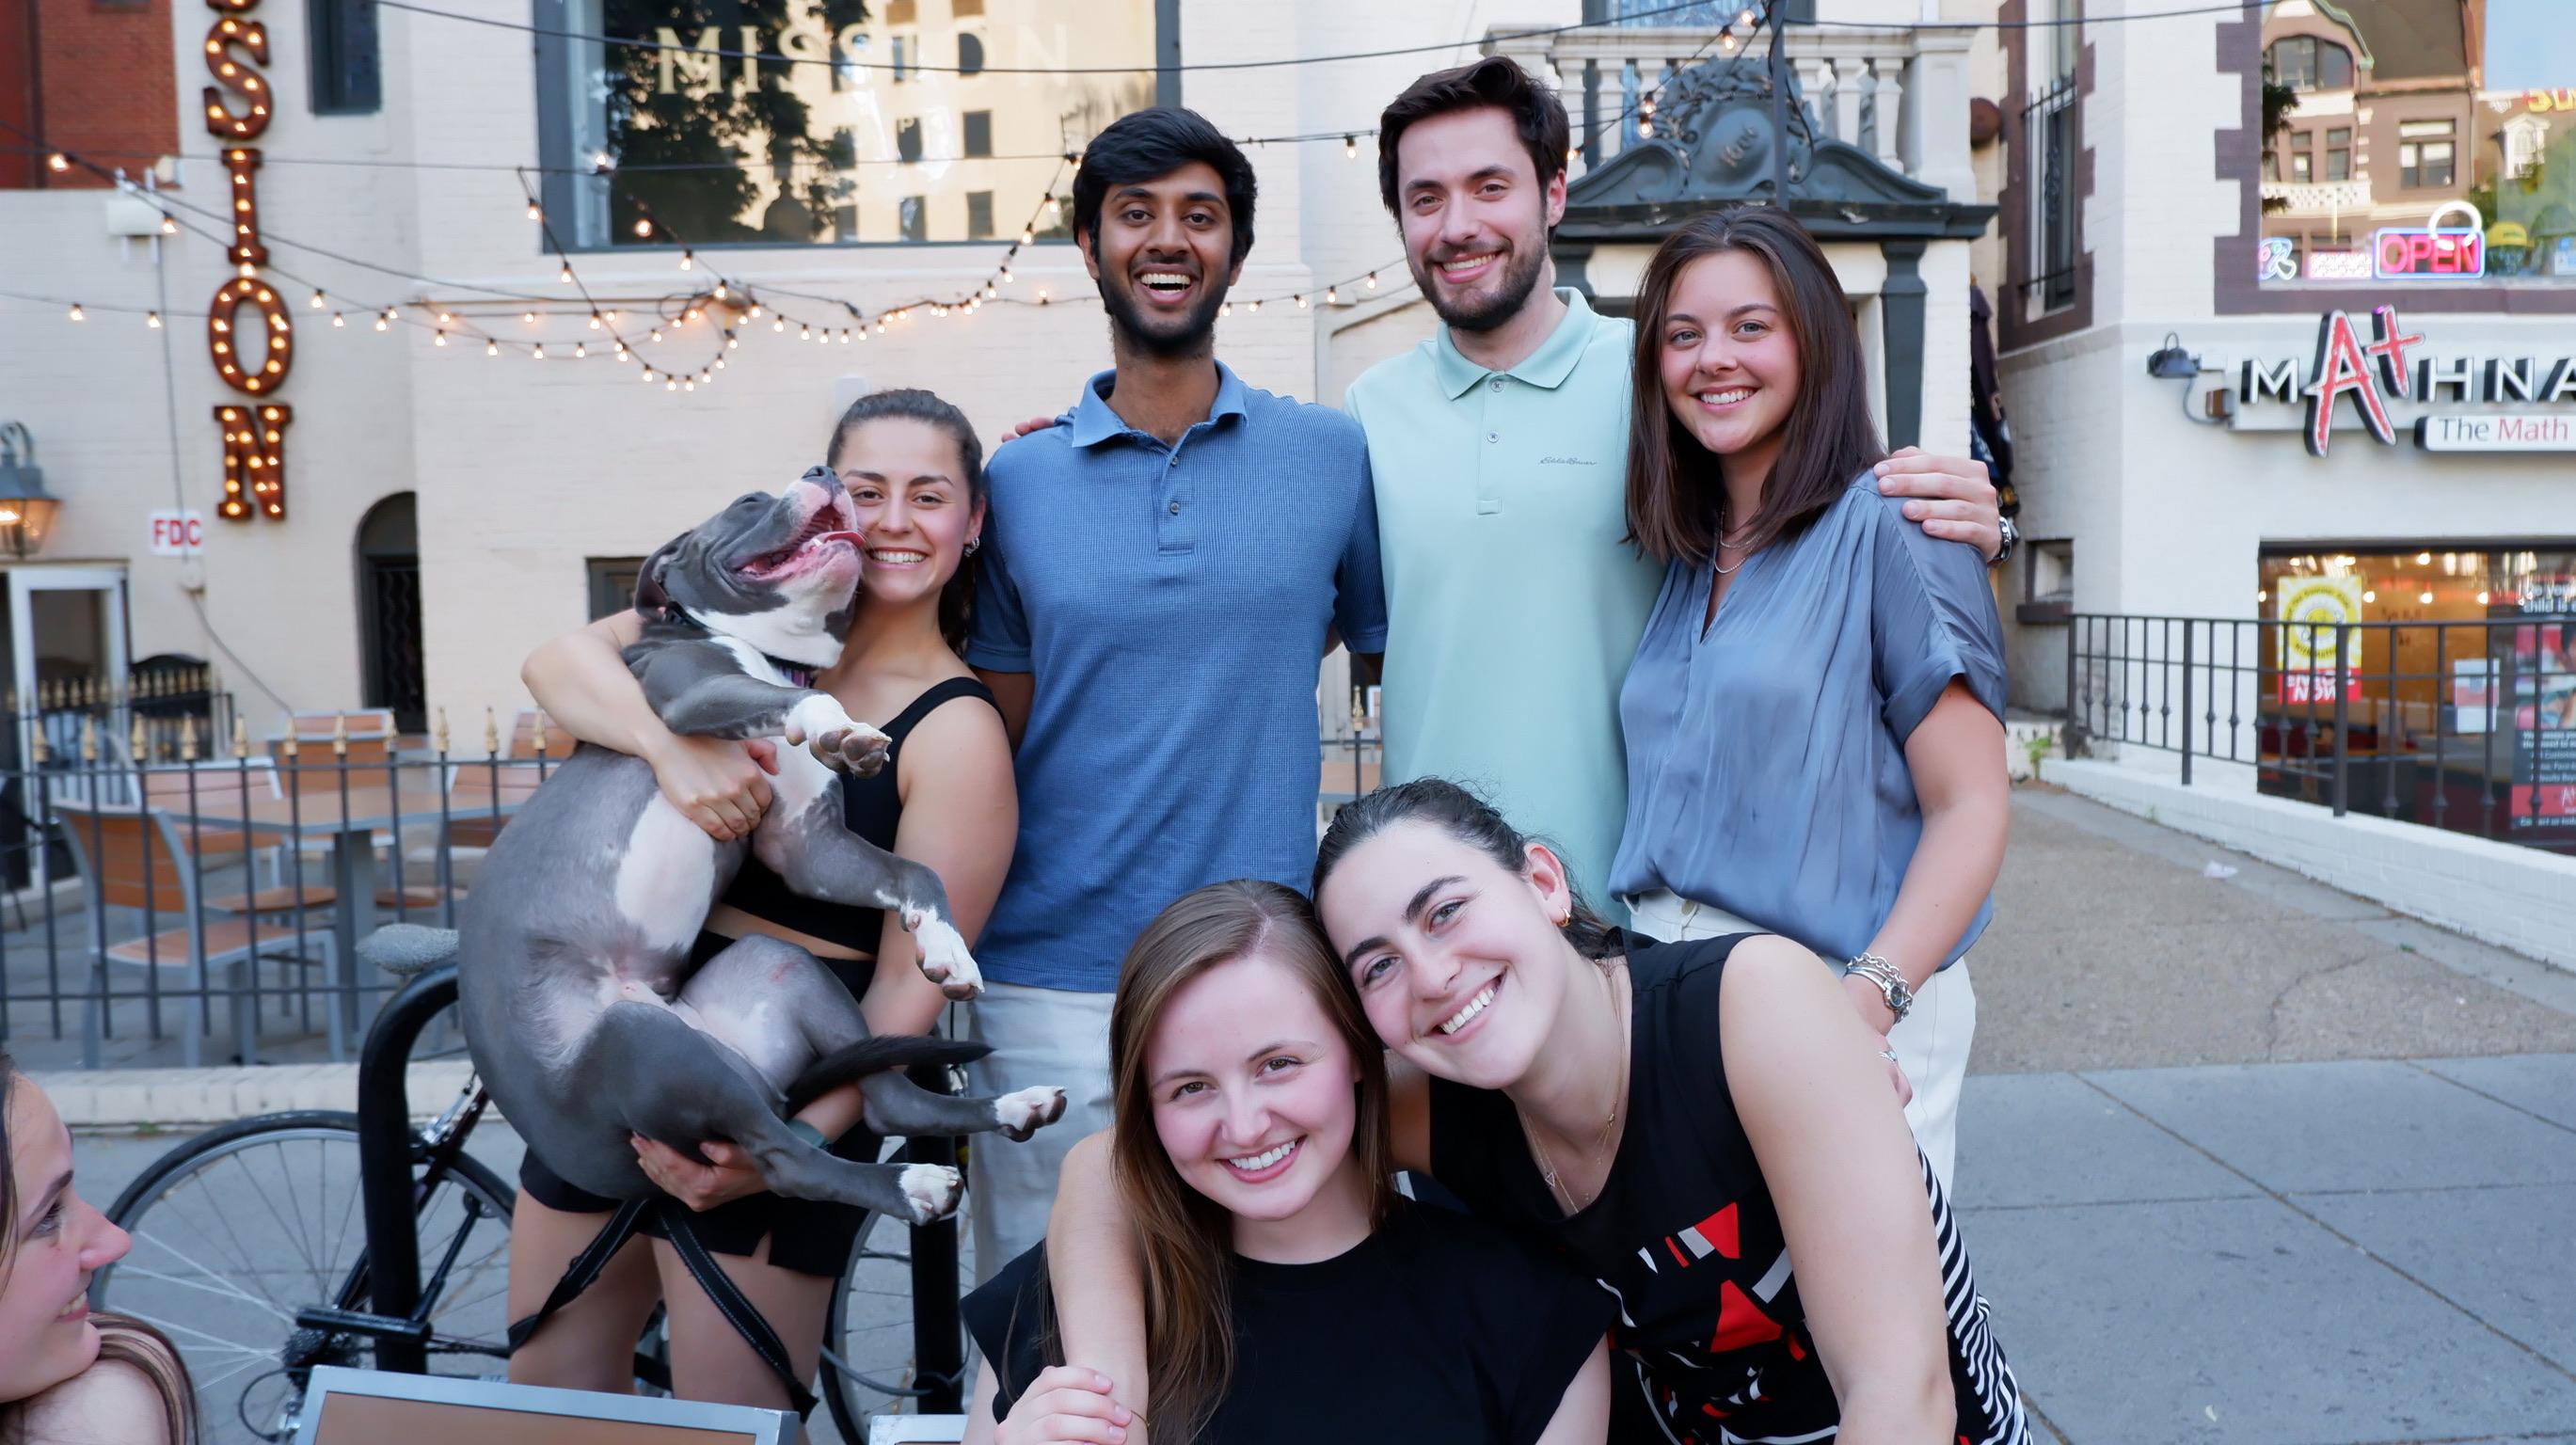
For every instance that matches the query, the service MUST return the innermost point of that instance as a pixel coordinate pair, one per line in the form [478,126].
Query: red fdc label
[2318,686]
[2418,253]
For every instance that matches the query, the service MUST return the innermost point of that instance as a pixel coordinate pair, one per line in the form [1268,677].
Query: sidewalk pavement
[2244,1159]
[2249,1160]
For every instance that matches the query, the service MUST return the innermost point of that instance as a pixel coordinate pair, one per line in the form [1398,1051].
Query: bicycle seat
[404,949]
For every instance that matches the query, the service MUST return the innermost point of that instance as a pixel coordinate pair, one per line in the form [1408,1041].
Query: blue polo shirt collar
[1096,421]
[1546,367]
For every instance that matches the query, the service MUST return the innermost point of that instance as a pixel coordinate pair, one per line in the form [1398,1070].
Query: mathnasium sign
[2526,403]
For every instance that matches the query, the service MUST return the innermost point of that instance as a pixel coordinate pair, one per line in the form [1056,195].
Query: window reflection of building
[876,125]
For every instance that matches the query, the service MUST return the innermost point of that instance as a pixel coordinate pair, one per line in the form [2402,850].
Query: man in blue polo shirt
[1162,576]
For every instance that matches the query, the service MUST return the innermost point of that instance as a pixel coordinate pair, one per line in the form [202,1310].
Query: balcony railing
[2467,726]
[1898,93]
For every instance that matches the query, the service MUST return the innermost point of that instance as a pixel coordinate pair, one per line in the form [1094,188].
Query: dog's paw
[1020,1114]
[859,749]
[944,959]
[931,1190]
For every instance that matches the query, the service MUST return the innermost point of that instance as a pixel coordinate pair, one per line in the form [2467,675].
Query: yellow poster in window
[2310,610]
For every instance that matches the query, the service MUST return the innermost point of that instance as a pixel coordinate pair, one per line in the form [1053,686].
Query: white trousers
[1038,1036]
[1931,1044]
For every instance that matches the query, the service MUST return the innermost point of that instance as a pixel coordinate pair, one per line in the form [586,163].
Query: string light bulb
[754,313]
[439,338]
[657,333]
[536,212]
[720,290]
[169,227]
[539,353]
[1332,295]
[778,323]
[580,351]
[845,336]
[382,323]
[77,314]
[565,275]
[339,318]
[392,315]
[688,259]
[1350,147]
[528,317]
[316,303]
[1224,309]
[1301,300]
[1372,280]
[594,321]
[643,227]
[152,319]
[804,332]
[491,348]
[732,342]
[1255,308]
[58,162]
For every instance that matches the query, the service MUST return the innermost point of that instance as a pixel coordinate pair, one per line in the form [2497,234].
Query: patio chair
[141,859]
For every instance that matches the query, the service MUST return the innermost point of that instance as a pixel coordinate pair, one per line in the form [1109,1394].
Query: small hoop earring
[972,543]
[1564,918]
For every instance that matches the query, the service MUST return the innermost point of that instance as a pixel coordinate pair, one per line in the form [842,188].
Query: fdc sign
[178,534]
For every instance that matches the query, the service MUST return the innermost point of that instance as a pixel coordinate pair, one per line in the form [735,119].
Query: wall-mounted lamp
[26,508]
[2171,363]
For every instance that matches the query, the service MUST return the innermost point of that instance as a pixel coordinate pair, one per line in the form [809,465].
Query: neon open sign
[2428,253]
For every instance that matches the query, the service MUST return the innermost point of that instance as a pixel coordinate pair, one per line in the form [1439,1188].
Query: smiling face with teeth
[1729,362]
[1455,958]
[907,484]
[1255,1103]
[1163,254]
[1475,215]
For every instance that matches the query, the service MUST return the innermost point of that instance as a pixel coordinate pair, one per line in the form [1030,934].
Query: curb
[196,1098]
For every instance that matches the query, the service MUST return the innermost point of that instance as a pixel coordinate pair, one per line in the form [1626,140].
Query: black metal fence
[2466,726]
[176,881]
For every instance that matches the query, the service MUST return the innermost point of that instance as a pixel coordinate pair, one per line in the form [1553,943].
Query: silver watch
[2011,538]
[1890,983]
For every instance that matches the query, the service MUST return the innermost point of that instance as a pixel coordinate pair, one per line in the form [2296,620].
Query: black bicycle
[253,1253]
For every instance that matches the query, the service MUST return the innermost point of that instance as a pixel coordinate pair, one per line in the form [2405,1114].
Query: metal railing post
[2342,721]
[2187,656]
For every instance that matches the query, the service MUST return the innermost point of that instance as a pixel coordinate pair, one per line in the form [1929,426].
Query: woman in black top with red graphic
[944,799]
[1703,1127]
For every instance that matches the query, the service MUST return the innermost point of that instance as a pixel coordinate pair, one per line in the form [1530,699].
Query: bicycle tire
[231,1324]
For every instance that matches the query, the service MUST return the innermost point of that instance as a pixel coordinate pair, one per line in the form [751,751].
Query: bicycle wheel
[242,1226]
[868,1334]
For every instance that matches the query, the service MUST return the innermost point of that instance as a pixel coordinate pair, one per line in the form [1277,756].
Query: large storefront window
[833,122]
[2456,694]
[2398,149]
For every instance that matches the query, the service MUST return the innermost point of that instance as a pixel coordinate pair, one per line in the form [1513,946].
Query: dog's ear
[651,598]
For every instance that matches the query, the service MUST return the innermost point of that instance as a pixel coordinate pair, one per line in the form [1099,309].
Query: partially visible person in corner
[1291,1294]
[69,1376]
[1814,717]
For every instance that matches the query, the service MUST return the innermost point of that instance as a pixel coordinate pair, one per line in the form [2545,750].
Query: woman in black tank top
[1704,1128]
[944,799]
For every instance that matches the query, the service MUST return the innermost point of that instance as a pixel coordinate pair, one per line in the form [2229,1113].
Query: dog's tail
[876,1055]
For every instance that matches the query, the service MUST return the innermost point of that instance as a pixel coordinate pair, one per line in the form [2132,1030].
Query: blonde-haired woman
[68,1376]
[1291,1293]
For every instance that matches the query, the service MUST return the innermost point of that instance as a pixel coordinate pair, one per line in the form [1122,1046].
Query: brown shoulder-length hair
[1673,486]
[121,1338]
[1187,1239]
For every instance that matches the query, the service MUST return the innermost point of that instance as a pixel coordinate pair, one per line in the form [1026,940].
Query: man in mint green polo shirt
[1500,453]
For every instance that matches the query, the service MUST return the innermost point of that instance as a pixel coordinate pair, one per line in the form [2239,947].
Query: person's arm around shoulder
[999,649]
[1847,1182]
[1952,498]
[1098,1275]
[1583,1416]
[582,682]
[110,1403]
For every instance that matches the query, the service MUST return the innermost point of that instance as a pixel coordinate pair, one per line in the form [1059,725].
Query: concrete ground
[2249,1160]
[2244,1159]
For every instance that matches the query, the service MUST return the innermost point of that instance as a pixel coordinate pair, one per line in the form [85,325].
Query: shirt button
[1496,384]
[1493,436]
[1174,460]
[1176,509]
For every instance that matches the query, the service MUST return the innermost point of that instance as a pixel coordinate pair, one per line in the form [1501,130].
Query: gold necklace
[1546,1166]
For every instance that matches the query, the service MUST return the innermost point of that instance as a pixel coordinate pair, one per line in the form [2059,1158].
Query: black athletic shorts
[809,1236]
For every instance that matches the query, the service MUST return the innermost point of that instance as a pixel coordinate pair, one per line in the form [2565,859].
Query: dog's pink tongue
[853,538]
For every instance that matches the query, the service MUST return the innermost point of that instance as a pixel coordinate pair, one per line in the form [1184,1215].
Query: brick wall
[103,83]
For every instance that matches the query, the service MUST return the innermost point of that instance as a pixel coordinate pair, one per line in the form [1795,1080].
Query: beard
[1192,334]
[1520,278]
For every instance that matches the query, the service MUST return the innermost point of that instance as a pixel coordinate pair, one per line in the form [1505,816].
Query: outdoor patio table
[349,823]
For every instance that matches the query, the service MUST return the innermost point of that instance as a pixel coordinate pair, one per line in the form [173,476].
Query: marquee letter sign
[250,333]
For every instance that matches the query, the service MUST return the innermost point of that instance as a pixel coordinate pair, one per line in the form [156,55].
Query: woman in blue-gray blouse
[1814,716]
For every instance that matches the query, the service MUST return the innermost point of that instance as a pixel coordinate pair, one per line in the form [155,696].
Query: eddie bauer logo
[2371,372]
[1566,462]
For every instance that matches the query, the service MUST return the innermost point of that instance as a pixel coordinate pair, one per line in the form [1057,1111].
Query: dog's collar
[798,674]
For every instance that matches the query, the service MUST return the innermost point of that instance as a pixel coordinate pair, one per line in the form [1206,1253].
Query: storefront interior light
[26,508]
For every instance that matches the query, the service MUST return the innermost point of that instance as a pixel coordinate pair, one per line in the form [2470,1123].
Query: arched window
[2304,62]
[970,55]
[389,611]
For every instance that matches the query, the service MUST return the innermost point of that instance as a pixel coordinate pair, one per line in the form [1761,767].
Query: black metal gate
[394,676]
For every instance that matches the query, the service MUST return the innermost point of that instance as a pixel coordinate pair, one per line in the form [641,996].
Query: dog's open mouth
[821,531]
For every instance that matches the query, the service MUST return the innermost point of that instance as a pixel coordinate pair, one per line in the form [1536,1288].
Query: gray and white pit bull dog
[579,1006]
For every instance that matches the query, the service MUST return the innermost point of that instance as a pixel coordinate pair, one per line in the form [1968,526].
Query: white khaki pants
[1931,1044]
[1038,1036]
